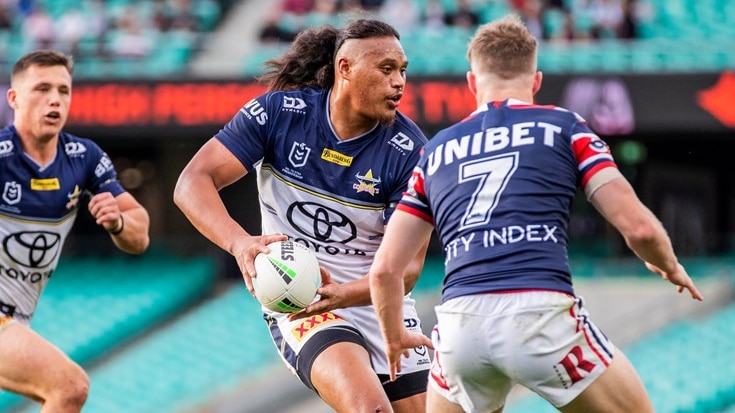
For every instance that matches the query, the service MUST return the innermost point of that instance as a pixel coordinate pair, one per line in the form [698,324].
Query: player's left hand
[105,210]
[678,277]
[331,296]
[395,349]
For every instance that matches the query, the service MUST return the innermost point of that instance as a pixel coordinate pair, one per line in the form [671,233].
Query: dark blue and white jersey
[498,187]
[38,206]
[332,195]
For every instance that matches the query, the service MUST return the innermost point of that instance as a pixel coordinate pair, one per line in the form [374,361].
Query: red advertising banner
[613,105]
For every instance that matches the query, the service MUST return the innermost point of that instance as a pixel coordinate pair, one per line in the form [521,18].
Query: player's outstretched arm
[643,232]
[404,238]
[212,168]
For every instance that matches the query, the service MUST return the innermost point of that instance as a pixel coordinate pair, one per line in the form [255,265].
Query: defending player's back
[501,187]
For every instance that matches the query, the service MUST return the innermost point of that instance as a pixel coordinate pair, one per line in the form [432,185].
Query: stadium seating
[678,36]
[169,56]
[93,305]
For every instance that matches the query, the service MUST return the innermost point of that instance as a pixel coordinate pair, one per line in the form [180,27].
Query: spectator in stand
[182,17]
[607,17]
[531,14]
[464,16]
[323,12]
[6,18]
[372,6]
[71,28]
[98,25]
[133,39]
[272,32]
[628,29]
[297,7]
[39,28]
[434,16]
[404,15]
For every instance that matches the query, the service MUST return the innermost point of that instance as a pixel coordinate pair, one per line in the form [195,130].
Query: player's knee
[74,389]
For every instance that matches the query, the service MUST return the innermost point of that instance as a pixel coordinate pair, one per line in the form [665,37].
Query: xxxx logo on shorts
[312,323]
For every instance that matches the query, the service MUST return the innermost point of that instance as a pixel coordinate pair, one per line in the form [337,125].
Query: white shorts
[542,340]
[354,324]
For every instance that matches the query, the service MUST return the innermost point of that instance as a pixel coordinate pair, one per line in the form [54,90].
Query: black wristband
[120,229]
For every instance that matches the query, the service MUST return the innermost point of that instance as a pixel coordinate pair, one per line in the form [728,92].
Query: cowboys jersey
[331,195]
[38,206]
[498,187]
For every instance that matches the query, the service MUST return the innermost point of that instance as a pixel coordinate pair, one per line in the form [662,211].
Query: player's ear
[537,80]
[472,82]
[343,67]
[10,96]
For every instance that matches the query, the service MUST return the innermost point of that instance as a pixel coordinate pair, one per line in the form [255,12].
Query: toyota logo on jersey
[34,249]
[321,223]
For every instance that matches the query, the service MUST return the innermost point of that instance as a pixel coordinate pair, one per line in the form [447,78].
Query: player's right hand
[246,249]
[394,350]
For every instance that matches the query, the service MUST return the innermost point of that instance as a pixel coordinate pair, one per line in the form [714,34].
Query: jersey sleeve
[411,140]
[591,153]
[104,175]
[245,134]
[414,200]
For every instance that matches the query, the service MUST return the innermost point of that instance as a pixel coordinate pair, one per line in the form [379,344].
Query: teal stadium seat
[93,305]
[207,351]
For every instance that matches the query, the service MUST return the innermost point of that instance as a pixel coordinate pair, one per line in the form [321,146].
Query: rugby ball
[286,279]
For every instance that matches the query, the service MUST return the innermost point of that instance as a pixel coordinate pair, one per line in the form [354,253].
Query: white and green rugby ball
[287,277]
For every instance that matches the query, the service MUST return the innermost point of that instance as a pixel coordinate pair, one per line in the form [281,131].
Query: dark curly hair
[309,61]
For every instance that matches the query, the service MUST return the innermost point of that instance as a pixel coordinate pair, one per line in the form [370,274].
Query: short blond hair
[504,48]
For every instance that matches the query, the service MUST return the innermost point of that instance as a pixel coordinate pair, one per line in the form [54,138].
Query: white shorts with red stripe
[542,340]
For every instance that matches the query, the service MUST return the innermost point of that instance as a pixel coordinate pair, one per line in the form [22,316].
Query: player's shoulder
[295,101]
[77,146]
[406,126]
[551,111]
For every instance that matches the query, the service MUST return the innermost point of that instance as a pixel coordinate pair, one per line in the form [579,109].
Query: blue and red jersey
[498,187]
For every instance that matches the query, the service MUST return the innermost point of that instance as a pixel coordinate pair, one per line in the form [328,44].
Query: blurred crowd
[96,28]
[549,20]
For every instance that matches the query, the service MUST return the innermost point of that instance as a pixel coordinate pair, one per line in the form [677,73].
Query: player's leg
[345,380]
[33,367]
[408,393]
[618,389]
[436,403]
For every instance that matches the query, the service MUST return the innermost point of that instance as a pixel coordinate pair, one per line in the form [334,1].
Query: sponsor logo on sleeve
[75,149]
[6,148]
[104,165]
[292,104]
[402,142]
